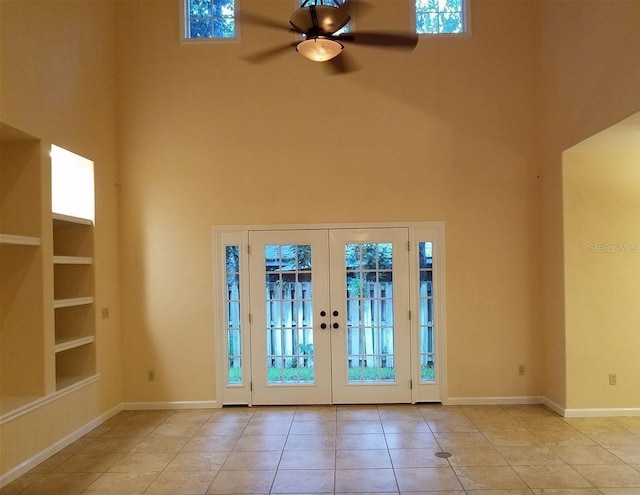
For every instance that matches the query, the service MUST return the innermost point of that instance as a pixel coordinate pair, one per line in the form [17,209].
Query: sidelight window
[427,349]
[234,328]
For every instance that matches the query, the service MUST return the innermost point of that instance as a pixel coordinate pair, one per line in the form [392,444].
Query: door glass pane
[289,314]
[427,352]
[234,363]
[370,331]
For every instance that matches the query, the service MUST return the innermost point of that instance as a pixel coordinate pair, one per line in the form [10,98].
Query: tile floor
[510,450]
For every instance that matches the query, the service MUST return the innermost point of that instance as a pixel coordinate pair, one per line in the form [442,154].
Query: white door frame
[345,391]
[318,391]
[223,236]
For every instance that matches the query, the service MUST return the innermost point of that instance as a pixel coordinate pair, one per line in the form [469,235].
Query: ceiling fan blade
[259,20]
[268,53]
[389,39]
[342,64]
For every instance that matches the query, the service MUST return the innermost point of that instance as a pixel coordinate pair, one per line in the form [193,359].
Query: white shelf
[21,240]
[70,219]
[72,260]
[73,343]
[76,301]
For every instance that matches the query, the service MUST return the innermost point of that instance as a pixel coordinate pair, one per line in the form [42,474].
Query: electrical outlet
[613,379]
[521,370]
[151,375]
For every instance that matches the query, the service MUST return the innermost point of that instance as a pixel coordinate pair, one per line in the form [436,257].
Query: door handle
[323,314]
[335,324]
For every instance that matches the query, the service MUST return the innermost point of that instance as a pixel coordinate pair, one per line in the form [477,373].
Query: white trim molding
[562,411]
[43,455]
[43,401]
[492,401]
[238,236]
[602,412]
[149,406]
[557,408]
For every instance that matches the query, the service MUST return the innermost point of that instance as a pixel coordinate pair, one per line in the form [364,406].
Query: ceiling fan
[319,22]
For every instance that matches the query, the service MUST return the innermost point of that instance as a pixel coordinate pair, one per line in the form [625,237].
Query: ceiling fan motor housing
[315,20]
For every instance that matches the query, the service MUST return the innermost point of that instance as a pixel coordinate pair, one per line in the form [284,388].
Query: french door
[330,316]
[322,315]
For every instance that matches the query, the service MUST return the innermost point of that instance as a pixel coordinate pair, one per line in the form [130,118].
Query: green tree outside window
[440,16]
[211,19]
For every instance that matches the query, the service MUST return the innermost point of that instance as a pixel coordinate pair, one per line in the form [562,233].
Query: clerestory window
[441,16]
[210,19]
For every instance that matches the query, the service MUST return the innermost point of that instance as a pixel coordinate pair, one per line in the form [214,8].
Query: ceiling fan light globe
[319,49]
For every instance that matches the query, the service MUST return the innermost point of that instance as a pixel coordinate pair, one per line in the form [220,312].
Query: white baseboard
[141,406]
[562,411]
[43,455]
[602,413]
[148,406]
[492,401]
[557,408]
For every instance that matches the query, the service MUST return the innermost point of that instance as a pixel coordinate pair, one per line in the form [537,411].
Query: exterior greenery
[288,269]
[210,19]
[440,16]
[302,375]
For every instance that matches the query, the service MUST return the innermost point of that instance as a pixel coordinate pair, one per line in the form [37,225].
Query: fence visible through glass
[289,314]
[370,329]
[427,352]
[234,369]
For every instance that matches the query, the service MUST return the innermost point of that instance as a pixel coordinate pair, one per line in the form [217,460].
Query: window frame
[227,392]
[238,235]
[184,26]
[466,23]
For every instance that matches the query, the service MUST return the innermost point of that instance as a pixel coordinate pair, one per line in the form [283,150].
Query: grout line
[527,424]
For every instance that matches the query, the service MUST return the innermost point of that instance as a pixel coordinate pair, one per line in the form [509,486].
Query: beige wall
[58,84]
[602,252]
[588,68]
[443,133]
[468,130]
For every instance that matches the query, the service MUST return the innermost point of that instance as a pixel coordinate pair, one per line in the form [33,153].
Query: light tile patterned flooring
[509,450]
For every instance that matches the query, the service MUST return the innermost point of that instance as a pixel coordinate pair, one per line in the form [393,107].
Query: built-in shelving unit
[47,314]
[22,307]
[73,299]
